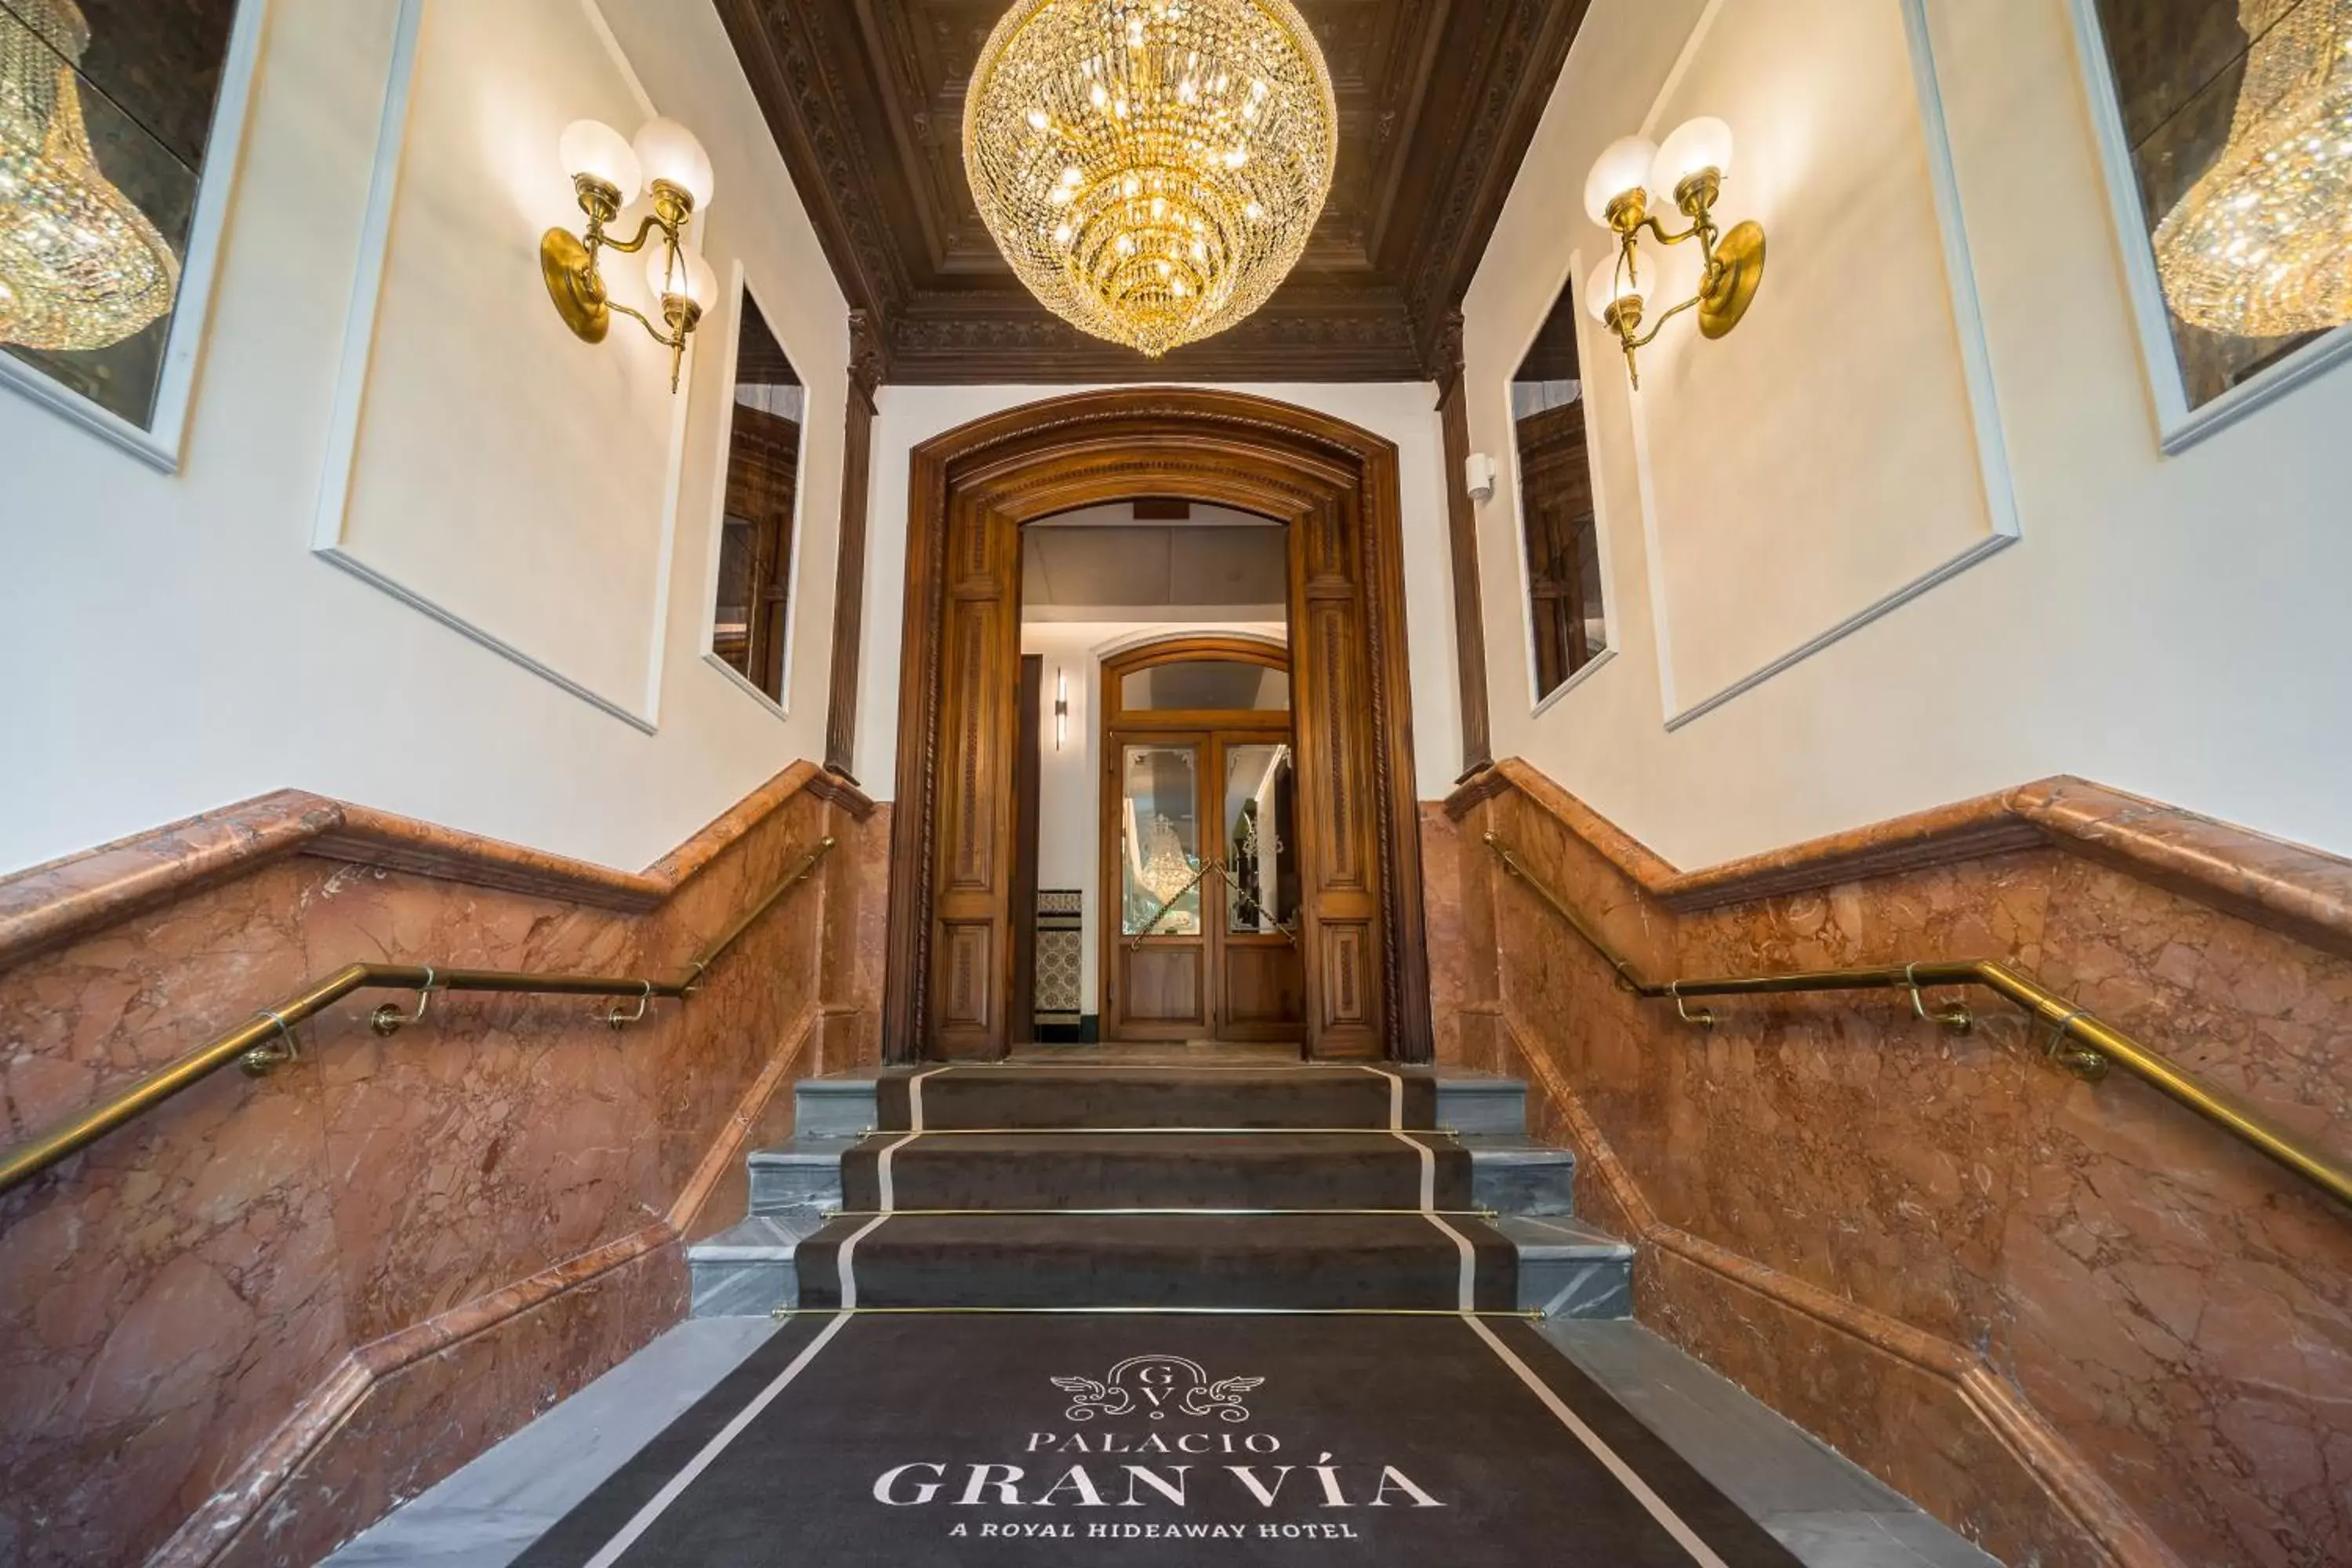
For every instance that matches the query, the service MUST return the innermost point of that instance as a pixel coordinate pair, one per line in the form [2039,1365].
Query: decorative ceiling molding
[1438,100]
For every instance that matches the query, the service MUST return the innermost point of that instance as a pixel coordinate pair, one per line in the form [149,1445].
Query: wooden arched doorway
[971,489]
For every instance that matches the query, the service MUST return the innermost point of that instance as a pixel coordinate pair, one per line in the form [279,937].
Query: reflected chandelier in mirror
[80,266]
[2261,246]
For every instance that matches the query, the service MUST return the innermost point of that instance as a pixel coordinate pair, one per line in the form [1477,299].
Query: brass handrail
[266,1041]
[2080,1041]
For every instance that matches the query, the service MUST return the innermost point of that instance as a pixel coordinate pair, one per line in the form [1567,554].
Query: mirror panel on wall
[108,126]
[2219,100]
[1566,615]
[751,620]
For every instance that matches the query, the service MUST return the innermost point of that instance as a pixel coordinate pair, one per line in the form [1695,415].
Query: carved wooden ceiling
[1437,101]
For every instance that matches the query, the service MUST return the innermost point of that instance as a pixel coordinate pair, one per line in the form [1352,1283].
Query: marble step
[846,1107]
[1564,1268]
[1507,1175]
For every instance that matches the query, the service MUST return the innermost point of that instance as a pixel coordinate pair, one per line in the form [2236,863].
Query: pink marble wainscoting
[238,1330]
[2074,1321]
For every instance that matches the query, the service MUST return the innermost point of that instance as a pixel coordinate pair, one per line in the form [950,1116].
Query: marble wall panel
[166,1295]
[2170,1307]
[457,1401]
[173,1296]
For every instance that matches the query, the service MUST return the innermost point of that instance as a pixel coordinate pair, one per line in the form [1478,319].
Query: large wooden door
[1334,486]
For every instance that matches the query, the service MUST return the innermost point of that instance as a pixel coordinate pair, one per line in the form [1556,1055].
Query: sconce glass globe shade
[1696,146]
[687,274]
[1608,285]
[1623,165]
[669,152]
[592,147]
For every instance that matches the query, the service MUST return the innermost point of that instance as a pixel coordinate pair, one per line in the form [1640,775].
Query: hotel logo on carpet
[1155,1385]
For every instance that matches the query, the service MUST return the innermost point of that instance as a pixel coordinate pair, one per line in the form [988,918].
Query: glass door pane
[1159,842]
[1260,799]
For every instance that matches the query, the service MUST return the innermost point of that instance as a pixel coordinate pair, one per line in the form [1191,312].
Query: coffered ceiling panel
[1437,100]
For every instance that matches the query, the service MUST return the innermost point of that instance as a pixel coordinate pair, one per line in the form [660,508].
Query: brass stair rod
[2099,1043]
[266,1039]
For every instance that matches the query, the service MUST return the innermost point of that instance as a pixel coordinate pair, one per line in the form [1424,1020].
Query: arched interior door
[1201,866]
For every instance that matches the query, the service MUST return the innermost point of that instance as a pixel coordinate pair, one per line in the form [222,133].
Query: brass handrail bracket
[389,1020]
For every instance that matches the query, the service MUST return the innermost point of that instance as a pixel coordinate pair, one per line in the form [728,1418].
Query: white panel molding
[162,445]
[347,411]
[2179,427]
[1976,364]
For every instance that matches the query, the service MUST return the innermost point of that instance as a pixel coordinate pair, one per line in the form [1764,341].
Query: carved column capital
[868,359]
[1444,366]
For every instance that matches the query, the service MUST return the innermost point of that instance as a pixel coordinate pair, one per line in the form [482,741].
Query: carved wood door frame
[1334,486]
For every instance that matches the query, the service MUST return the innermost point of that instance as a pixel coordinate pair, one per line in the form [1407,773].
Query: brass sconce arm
[1691,164]
[605,179]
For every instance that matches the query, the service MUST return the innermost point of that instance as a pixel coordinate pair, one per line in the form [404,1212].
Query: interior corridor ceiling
[1098,564]
[1437,98]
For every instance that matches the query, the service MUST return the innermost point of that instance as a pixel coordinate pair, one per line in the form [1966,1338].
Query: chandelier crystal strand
[1151,168]
[80,266]
[2261,245]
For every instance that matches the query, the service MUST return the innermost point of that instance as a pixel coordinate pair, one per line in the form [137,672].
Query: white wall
[171,643]
[1069,793]
[2167,625]
[1402,412]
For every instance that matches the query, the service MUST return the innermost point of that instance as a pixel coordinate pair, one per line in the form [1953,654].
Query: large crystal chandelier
[1151,168]
[81,267]
[2261,245]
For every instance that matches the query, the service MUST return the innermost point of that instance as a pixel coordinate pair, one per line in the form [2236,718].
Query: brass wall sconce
[1691,163]
[606,170]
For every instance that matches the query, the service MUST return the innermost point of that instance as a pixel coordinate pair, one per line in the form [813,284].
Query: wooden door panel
[1162,985]
[1264,987]
[1339,845]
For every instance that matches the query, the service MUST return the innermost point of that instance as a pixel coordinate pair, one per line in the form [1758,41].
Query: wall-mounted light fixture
[1479,476]
[606,170]
[1061,706]
[1691,163]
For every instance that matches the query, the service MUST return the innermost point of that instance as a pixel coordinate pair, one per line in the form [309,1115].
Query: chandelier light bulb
[668,152]
[1151,171]
[592,149]
[1623,168]
[1695,147]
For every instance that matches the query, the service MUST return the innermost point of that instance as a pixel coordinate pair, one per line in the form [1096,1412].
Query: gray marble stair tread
[803,1151]
[1550,1236]
[489,1510]
[760,1237]
[1822,1507]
